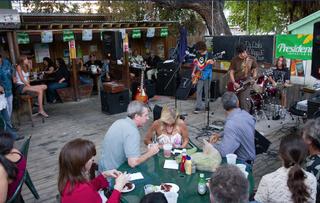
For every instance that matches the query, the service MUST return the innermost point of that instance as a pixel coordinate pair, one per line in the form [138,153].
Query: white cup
[231,158]
[242,167]
[172,197]
[167,150]
[246,174]
[148,189]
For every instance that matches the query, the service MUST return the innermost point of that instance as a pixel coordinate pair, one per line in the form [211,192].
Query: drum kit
[264,93]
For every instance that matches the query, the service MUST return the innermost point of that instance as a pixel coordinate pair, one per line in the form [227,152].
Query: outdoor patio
[84,119]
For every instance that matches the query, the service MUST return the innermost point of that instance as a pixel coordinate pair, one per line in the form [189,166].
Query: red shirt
[88,192]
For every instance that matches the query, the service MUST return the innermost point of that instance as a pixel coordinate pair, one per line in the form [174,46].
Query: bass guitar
[198,72]
[141,94]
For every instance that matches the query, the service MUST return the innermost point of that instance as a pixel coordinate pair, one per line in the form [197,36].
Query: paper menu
[171,164]
[136,176]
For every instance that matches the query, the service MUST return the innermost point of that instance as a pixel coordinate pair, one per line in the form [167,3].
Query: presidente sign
[294,46]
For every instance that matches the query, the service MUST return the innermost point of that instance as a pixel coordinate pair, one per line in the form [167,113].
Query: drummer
[280,79]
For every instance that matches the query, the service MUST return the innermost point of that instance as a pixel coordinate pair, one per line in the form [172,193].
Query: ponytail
[296,184]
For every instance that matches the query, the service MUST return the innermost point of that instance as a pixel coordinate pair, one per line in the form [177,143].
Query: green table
[154,173]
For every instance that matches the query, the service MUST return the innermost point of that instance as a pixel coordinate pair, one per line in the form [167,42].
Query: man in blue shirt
[203,65]
[6,74]
[238,135]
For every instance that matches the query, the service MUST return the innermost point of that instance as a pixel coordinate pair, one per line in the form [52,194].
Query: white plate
[125,189]
[175,188]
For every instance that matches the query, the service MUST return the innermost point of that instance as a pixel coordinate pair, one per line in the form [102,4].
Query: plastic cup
[246,174]
[242,167]
[231,158]
[167,150]
[172,197]
[148,189]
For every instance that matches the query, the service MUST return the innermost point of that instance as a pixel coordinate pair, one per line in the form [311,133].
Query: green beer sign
[294,46]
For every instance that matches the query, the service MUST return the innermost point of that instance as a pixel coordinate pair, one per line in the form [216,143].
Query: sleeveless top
[25,77]
[175,139]
[21,165]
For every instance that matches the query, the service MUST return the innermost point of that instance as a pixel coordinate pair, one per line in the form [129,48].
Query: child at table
[23,84]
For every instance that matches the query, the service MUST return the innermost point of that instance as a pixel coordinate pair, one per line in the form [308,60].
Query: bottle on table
[188,165]
[183,160]
[202,188]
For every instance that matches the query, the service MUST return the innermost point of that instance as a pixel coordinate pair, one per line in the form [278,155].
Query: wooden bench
[67,94]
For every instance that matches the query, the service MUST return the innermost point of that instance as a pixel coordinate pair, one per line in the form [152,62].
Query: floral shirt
[313,166]
[6,77]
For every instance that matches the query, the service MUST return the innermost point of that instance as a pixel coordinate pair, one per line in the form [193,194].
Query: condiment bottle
[202,188]
[183,160]
[193,168]
[188,165]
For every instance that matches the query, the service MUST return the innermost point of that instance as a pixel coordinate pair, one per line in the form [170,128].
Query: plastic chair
[17,197]
[27,179]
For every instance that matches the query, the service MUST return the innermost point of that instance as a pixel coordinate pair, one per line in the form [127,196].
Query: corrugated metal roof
[304,21]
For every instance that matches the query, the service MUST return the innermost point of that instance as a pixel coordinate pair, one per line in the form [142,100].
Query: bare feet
[44,114]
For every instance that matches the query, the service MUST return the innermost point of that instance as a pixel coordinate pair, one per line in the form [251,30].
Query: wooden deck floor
[84,119]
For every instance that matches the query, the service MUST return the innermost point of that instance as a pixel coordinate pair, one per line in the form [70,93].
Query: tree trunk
[216,26]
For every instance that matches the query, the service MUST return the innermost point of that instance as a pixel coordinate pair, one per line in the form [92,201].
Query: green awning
[23,38]
[136,34]
[164,32]
[68,35]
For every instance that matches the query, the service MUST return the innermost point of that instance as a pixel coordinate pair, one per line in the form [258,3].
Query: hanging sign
[136,34]
[72,49]
[150,32]
[23,38]
[164,32]
[294,46]
[68,35]
[87,35]
[46,36]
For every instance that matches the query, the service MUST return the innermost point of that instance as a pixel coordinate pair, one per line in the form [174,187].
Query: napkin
[171,164]
[136,176]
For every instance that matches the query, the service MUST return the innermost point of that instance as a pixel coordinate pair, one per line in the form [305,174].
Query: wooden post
[125,72]
[15,44]
[11,48]
[75,82]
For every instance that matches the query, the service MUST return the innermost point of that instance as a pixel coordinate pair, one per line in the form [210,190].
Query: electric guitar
[243,84]
[198,72]
[141,94]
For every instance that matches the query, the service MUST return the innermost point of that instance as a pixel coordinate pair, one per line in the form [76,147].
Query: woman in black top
[61,77]
[49,67]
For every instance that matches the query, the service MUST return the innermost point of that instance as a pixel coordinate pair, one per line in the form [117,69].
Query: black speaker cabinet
[112,103]
[315,67]
[112,44]
[214,90]
[167,79]
[313,105]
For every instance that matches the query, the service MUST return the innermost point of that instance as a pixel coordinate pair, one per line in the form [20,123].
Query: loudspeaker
[261,143]
[167,79]
[185,87]
[313,105]
[112,44]
[214,90]
[315,67]
[112,103]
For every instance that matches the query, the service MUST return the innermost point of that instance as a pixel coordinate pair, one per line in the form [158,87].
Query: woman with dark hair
[280,78]
[61,80]
[49,67]
[290,183]
[23,83]
[311,136]
[12,166]
[154,197]
[75,161]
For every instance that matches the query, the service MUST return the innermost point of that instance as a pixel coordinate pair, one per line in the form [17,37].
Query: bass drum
[256,101]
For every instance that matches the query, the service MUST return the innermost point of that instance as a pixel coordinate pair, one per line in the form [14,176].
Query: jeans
[51,91]
[200,85]
[85,81]
[7,123]
[9,105]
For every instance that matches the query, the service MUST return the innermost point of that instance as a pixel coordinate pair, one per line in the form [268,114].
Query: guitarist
[242,67]
[203,63]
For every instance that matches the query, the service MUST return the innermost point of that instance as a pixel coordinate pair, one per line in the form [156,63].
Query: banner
[23,38]
[68,35]
[72,49]
[294,46]
[151,31]
[136,33]
[87,35]
[46,36]
[164,32]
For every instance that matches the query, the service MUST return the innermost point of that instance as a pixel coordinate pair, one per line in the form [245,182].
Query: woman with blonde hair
[168,129]
[23,83]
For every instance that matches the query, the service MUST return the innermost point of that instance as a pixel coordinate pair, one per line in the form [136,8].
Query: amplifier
[313,105]
[112,103]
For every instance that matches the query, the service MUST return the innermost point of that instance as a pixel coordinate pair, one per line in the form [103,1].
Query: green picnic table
[154,173]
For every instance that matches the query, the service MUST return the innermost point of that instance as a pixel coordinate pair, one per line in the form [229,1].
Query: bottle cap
[184,150]
[201,175]
[188,157]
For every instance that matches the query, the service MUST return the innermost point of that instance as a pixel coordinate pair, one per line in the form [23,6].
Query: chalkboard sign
[258,46]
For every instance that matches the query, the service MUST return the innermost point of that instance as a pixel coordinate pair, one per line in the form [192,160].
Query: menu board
[261,47]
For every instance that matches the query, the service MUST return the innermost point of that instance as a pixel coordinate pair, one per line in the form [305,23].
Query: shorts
[19,88]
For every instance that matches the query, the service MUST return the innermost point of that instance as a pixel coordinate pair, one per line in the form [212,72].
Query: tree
[269,16]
